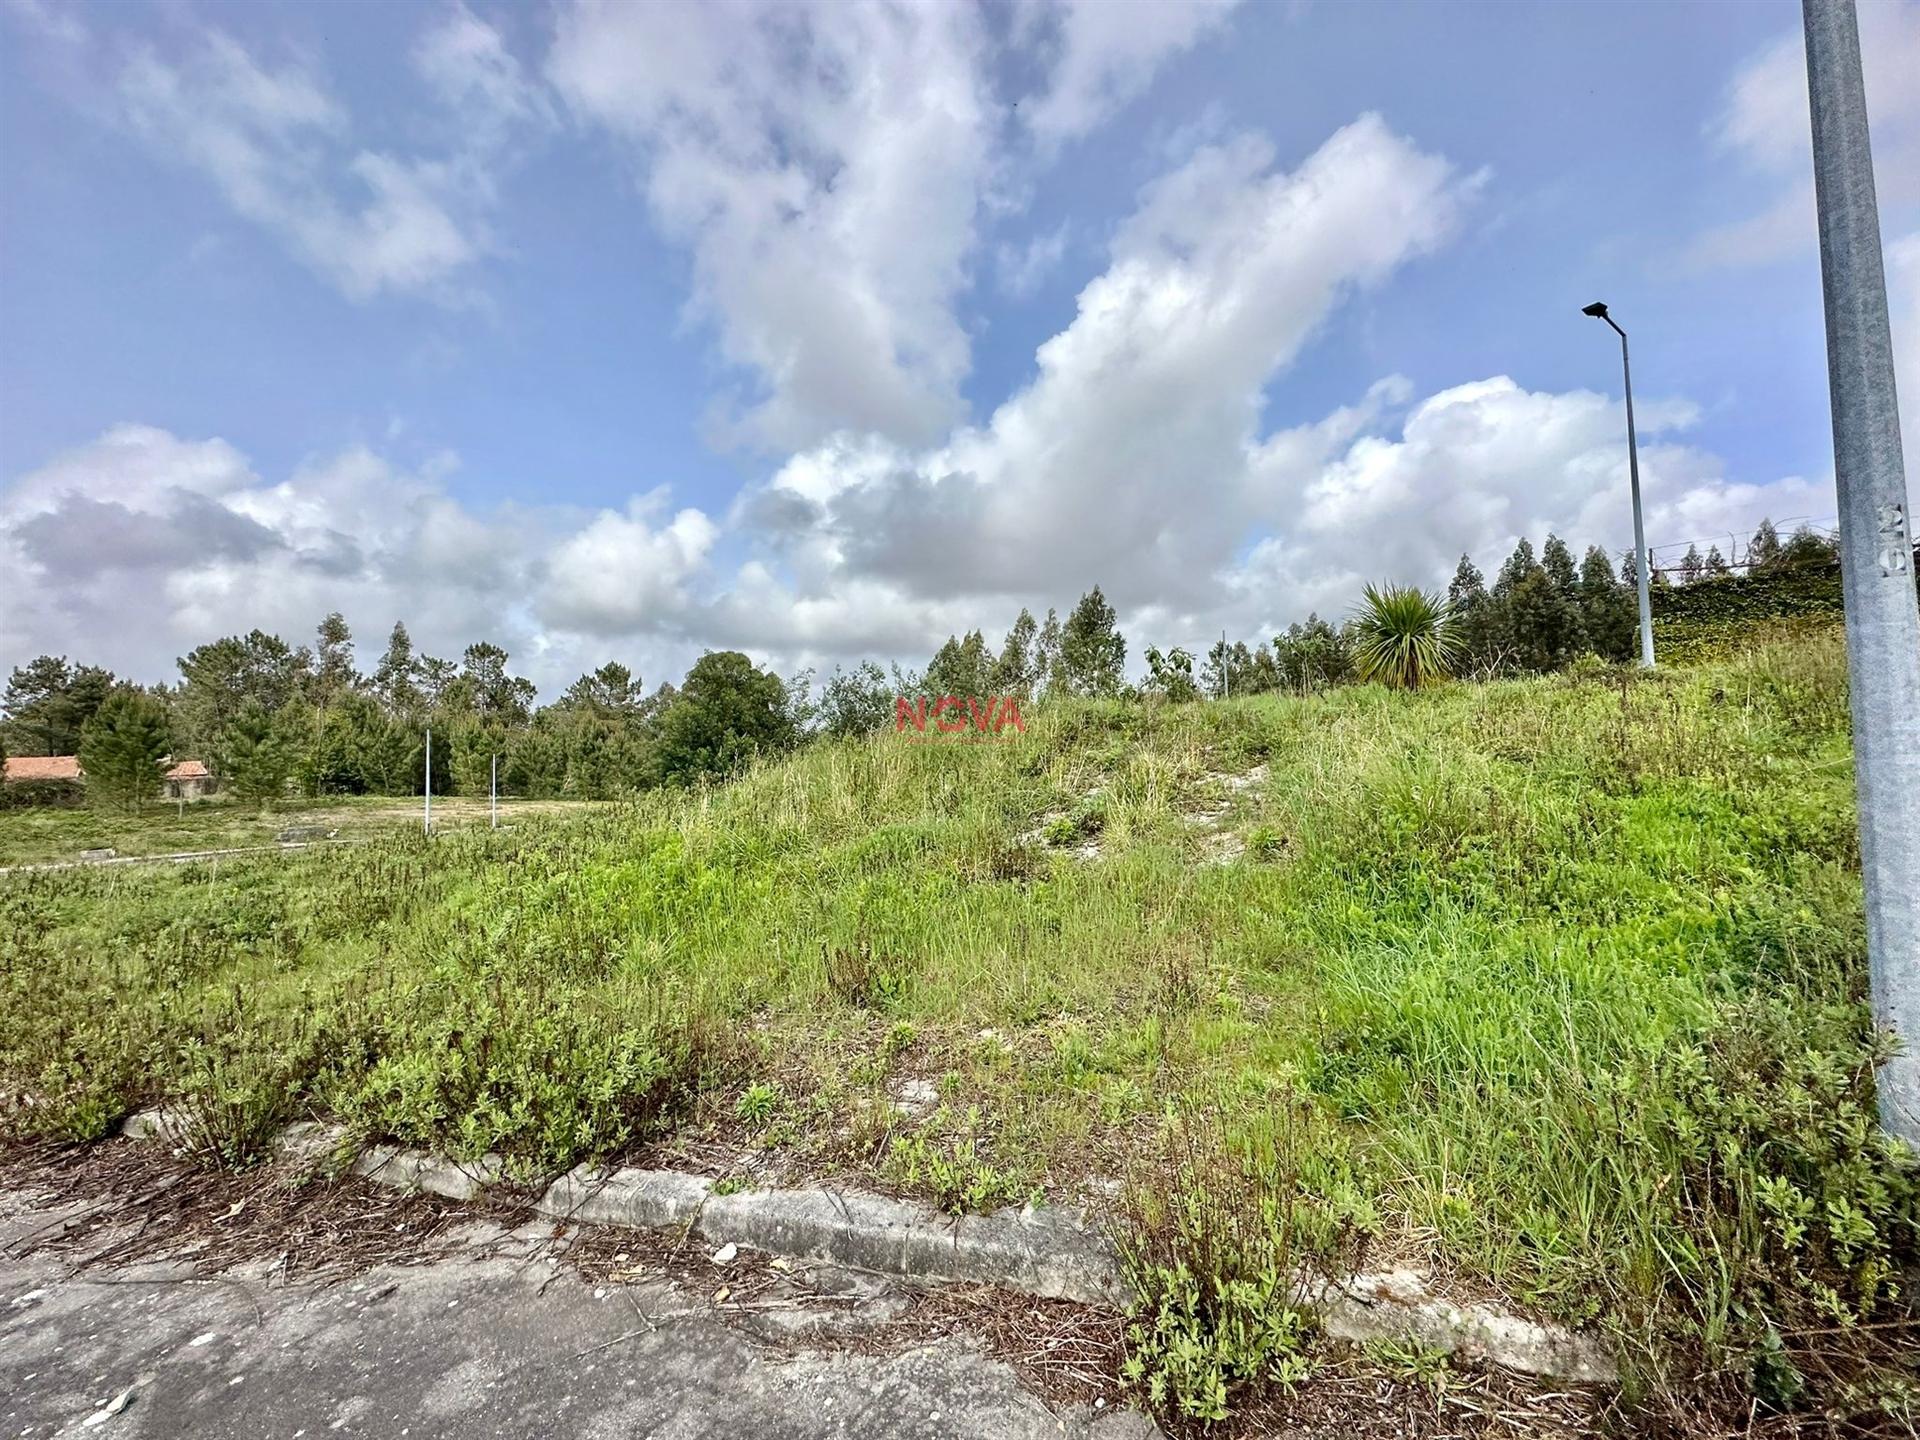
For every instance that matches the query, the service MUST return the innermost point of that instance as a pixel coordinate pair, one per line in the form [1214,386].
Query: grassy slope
[1463,935]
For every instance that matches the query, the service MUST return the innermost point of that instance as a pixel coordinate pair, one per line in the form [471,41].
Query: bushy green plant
[1799,1214]
[1403,638]
[1170,675]
[758,1103]
[1211,1255]
[947,1160]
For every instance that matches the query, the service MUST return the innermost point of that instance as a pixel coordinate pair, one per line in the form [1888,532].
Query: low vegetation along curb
[1045,1251]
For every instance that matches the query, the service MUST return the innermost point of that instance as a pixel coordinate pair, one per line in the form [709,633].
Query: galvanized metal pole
[1876,547]
[426,814]
[493,795]
[1639,526]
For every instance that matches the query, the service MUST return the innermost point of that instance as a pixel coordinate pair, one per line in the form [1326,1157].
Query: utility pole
[1876,546]
[1640,567]
[426,814]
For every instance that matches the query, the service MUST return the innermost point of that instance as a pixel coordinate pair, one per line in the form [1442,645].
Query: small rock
[112,1408]
[197,1341]
[726,1254]
[915,1097]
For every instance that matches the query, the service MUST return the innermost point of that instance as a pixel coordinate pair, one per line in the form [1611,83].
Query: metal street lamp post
[1876,546]
[1640,568]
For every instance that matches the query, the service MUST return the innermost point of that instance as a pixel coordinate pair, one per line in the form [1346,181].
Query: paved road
[491,1340]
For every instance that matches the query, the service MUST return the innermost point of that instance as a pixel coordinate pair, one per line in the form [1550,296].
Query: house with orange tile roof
[184,780]
[43,767]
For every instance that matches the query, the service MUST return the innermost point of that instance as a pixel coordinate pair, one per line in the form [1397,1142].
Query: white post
[493,797]
[426,813]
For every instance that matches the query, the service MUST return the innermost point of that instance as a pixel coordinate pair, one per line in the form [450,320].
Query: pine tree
[259,760]
[943,668]
[1473,617]
[611,689]
[1557,560]
[122,748]
[1692,567]
[1763,551]
[1046,656]
[333,672]
[1013,671]
[435,679]
[1519,565]
[221,677]
[1093,653]
[49,702]
[1542,626]
[485,690]
[1608,608]
[396,679]
[1716,563]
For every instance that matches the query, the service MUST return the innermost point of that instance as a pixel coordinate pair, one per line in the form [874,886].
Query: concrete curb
[1395,1306]
[1037,1251]
[1043,1251]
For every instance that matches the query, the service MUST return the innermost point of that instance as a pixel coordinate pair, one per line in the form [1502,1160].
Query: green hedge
[1710,617]
[22,794]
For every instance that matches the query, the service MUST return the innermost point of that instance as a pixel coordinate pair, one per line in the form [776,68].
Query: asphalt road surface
[491,1339]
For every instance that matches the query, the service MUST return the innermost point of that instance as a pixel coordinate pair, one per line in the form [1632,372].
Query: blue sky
[618,331]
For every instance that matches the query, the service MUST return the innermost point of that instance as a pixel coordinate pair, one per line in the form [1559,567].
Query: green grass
[1556,984]
[43,834]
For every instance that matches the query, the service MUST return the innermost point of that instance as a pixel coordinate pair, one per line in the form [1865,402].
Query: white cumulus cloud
[1764,124]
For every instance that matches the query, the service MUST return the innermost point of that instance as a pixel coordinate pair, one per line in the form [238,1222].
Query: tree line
[269,717]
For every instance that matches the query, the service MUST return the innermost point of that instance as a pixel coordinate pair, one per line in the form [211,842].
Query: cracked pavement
[493,1338]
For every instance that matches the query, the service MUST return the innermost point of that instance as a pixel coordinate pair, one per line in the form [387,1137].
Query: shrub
[1217,1246]
[1404,638]
[950,1159]
[1800,1217]
[52,794]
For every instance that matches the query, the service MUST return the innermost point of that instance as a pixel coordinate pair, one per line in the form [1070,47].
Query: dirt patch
[144,1205]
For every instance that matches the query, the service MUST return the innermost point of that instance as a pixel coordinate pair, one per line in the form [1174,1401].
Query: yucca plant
[1404,637]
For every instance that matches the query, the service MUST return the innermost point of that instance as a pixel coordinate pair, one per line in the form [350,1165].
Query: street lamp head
[1597,309]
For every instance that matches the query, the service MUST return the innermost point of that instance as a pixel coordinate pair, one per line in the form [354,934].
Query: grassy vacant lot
[1554,987]
[47,834]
